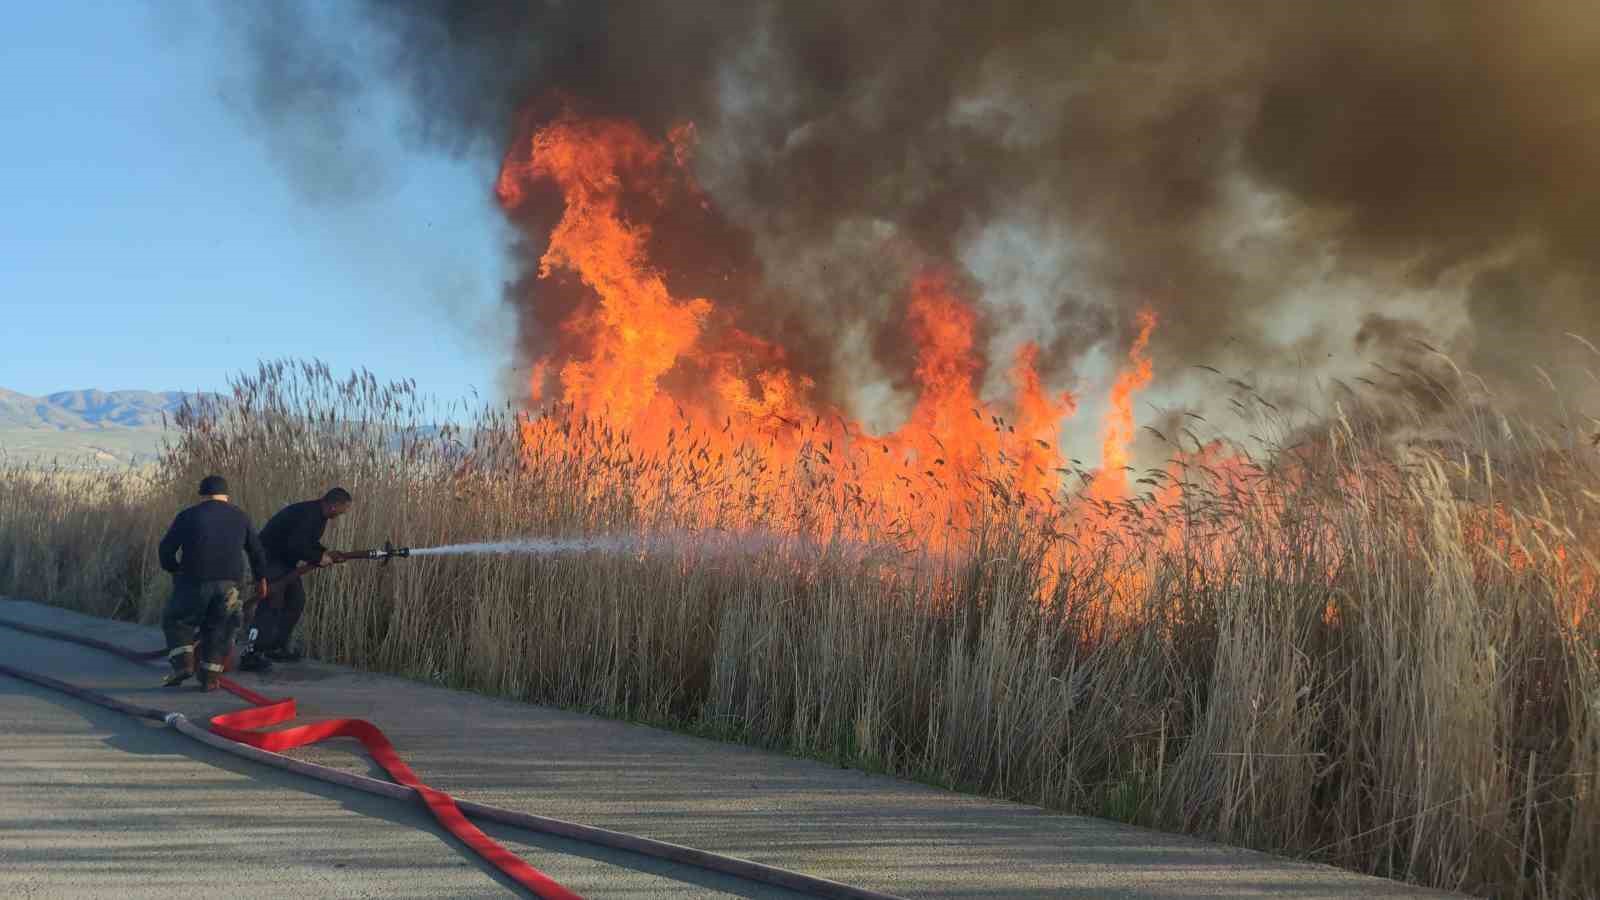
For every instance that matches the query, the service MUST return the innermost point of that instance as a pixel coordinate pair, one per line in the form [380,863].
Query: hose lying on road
[230,732]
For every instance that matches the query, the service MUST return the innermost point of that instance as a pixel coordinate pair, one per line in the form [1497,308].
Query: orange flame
[675,400]
[1039,418]
[637,331]
[678,374]
[1112,481]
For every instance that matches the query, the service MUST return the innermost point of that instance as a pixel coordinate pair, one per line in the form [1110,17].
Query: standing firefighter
[201,549]
[290,538]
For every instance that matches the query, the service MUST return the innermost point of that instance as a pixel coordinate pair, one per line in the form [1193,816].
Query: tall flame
[636,332]
[1039,418]
[1112,482]
[689,406]
[675,373]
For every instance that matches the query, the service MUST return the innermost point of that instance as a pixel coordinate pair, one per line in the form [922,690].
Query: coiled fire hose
[232,732]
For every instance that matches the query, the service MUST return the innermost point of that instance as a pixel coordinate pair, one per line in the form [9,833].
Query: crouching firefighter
[202,551]
[290,539]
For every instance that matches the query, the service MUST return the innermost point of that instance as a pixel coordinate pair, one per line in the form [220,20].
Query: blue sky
[150,240]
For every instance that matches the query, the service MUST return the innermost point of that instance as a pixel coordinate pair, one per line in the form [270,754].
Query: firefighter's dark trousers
[274,620]
[201,618]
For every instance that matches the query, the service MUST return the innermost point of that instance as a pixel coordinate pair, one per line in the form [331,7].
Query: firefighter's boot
[182,659]
[211,676]
[255,662]
[284,655]
[251,659]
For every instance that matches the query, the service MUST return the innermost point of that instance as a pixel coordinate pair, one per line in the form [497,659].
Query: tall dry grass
[1360,650]
[83,538]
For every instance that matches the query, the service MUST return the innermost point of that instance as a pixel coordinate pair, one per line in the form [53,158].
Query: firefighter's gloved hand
[326,560]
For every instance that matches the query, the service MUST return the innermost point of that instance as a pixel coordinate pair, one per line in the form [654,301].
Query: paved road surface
[96,804]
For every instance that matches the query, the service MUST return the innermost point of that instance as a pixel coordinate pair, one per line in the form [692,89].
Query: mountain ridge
[88,426]
[96,428]
[91,409]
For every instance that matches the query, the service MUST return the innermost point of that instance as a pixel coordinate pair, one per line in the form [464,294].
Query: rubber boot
[254,662]
[182,659]
[251,660]
[210,676]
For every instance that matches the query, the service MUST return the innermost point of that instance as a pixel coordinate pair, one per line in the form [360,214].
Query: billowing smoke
[1289,185]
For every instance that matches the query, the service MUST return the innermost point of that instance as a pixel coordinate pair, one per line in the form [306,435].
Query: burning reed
[1375,653]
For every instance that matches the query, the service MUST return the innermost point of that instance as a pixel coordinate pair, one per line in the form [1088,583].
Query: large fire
[676,373]
[693,409]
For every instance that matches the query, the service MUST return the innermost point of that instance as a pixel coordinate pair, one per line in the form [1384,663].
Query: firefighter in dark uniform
[202,551]
[291,538]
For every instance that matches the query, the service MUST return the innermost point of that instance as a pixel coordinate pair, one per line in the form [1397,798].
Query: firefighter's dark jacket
[295,533]
[204,541]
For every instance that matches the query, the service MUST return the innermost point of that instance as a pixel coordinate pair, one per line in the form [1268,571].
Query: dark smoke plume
[1268,176]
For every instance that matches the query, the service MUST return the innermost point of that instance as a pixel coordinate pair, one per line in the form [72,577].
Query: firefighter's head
[214,487]
[336,502]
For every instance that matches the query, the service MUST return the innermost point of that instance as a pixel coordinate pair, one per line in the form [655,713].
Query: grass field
[104,448]
[1374,653]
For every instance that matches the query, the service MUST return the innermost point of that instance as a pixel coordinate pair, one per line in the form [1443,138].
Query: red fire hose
[262,746]
[267,712]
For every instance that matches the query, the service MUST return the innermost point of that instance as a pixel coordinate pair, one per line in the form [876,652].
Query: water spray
[533,546]
[721,544]
[706,543]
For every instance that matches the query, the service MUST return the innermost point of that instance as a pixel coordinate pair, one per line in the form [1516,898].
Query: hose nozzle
[388,552]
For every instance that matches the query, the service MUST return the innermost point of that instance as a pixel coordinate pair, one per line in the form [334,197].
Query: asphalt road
[96,804]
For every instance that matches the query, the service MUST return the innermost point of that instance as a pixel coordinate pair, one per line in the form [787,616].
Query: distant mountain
[87,426]
[89,409]
[105,428]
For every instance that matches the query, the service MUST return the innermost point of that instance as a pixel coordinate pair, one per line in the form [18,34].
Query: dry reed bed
[1372,656]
